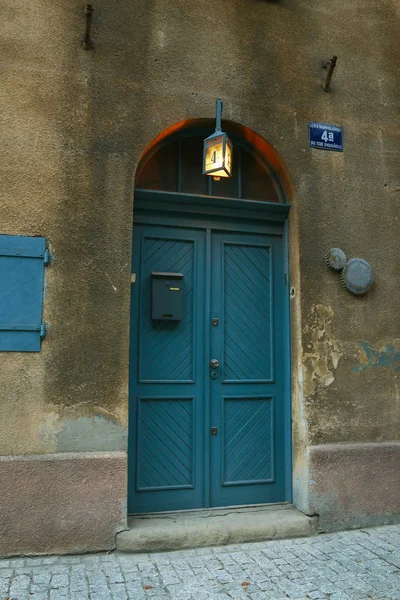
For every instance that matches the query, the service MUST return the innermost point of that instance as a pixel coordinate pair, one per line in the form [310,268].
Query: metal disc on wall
[357,276]
[335,258]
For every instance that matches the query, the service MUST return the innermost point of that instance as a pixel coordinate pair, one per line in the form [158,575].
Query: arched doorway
[209,390]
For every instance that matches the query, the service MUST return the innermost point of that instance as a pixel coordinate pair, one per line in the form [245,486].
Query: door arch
[202,436]
[259,172]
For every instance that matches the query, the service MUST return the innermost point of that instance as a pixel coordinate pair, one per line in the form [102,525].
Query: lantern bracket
[218,118]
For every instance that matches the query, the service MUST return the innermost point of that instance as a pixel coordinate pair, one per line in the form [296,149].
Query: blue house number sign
[325,137]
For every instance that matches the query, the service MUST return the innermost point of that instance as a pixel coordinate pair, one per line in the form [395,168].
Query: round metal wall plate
[357,276]
[336,259]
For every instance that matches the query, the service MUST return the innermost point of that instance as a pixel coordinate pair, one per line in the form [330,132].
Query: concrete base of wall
[62,503]
[355,485]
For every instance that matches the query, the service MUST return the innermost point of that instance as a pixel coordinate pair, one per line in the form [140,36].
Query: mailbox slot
[167,296]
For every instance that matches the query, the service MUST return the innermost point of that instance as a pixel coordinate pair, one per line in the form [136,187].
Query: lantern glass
[217,157]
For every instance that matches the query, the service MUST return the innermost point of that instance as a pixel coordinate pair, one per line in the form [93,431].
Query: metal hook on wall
[86,43]
[330,67]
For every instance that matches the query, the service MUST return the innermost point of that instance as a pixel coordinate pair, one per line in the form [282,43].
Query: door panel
[165,447]
[166,433]
[248,440]
[247,312]
[166,347]
[247,455]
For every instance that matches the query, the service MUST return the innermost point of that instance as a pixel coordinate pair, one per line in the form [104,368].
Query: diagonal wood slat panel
[166,347]
[248,439]
[247,309]
[165,443]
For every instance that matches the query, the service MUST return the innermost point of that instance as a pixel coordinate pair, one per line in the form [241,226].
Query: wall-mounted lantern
[217,155]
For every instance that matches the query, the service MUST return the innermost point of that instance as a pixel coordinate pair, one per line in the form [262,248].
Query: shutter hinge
[285,278]
[43,331]
[46,257]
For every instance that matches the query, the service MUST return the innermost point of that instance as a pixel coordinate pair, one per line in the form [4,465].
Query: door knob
[214,363]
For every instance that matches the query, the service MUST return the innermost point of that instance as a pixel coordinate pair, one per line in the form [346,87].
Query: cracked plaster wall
[321,351]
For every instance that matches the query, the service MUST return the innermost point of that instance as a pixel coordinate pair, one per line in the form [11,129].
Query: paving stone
[48,560]
[32,562]
[4,563]
[135,590]
[15,563]
[118,591]
[59,580]
[132,576]
[114,575]
[21,580]
[100,595]
[59,594]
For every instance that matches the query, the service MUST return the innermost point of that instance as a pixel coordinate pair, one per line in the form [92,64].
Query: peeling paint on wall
[387,356]
[321,351]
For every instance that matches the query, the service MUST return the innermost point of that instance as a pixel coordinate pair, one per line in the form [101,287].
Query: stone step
[215,527]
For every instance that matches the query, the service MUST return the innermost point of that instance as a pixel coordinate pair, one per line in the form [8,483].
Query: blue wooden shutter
[22,261]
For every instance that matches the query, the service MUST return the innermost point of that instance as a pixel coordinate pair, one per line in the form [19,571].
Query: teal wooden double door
[207,410]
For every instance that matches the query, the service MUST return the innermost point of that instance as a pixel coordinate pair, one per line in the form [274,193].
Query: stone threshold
[213,527]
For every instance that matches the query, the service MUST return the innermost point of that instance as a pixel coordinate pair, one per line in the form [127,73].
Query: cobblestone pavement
[356,565]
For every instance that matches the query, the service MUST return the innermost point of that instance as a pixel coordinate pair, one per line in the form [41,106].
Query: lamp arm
[218,119]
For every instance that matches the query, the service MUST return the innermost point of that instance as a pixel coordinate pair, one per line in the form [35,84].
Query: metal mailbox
[167,296]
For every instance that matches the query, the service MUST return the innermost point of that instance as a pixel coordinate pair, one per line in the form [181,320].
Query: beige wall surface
[73,125]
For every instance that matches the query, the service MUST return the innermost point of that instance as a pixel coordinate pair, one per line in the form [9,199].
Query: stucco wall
[73,126]
[59,503]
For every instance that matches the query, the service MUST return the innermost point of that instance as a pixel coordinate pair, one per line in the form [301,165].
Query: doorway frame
[193,208]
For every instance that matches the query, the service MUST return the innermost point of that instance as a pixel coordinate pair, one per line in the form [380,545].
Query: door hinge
[43,331]
[285,278]
[46,257]
[133,277]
